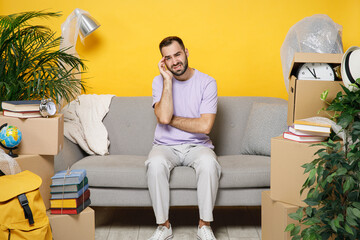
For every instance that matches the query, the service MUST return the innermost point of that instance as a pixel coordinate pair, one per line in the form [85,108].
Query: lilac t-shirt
[191,98]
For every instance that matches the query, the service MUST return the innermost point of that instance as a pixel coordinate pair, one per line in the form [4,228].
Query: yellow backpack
[22,210]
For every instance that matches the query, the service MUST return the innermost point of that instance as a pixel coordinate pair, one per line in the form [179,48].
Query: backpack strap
[2,173]
[25,205]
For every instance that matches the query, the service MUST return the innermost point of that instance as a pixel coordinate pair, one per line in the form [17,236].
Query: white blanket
[83,123]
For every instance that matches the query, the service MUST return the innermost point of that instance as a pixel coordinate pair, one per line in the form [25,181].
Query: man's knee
[208,165]
[156,166]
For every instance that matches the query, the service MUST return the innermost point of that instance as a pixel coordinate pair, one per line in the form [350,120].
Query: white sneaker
[162,233]
[205,233]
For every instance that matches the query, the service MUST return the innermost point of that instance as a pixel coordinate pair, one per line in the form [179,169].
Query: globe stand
[11,154]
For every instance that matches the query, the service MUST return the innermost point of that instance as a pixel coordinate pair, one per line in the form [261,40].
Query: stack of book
[70,192]
[21,109]
[308,131]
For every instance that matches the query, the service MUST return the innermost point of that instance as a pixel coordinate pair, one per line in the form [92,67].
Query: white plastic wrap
[314,34]
[7,164]
[70,31]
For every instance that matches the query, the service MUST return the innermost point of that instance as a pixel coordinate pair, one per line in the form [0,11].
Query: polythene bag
[314,34]
[13,224]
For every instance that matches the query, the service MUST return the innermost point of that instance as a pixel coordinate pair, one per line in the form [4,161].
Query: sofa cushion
[114,170]
[244,171]
[231,121]
[266,120]
[125,171]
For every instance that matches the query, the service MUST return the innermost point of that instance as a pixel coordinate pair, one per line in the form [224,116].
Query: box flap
[300,58]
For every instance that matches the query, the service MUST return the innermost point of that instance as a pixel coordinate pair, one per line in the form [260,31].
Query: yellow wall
[235,41]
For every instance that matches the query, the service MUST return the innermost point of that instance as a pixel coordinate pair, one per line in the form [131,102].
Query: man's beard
[185,65]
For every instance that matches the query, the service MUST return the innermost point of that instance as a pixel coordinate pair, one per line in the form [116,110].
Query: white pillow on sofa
[266,120]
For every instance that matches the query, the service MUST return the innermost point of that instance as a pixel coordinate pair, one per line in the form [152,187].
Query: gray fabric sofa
[241,136]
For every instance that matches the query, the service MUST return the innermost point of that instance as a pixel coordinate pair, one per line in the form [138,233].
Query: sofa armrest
[70,154]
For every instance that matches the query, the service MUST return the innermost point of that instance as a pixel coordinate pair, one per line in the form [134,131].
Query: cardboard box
[304,95]
[73,227]
[287,175]
[274,218]
[44,167]
[44,136]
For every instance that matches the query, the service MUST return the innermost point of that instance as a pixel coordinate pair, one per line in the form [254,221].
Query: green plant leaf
[341,171]
[312,221]
[344,120]
[298,215]
[295,231]
[357,205]
[332,225]
[296,238]
[340,217]
[347,185]
[311,202]
[329,178]
[356,212]
[337,223]
[351,221]
[308,167]
[324,95]
[295,216]
[290,227]
[348,229]
[309,211]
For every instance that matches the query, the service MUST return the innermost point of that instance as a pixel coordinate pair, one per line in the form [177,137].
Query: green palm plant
[31,64]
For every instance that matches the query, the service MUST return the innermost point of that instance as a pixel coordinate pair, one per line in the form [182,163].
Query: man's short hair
[169,40]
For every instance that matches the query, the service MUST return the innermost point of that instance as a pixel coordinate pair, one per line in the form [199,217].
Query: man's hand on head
[165,73]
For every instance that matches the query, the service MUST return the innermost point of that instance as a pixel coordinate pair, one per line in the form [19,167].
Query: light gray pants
[162,159]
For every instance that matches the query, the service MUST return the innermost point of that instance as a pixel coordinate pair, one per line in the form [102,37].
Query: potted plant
[333,199]
[32,66]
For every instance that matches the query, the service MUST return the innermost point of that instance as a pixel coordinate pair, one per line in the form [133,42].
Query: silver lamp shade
[87,23]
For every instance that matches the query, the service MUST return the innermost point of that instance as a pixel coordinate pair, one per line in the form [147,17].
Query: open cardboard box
[304,95]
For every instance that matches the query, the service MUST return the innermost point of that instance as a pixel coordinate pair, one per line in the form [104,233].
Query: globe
[10,136]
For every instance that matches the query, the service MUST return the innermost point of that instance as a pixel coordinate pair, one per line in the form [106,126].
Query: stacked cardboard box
[42,165]
[73,227]
[274,218]
[287,178]
[287,175]
[42,139]
[40,136]
[287,157]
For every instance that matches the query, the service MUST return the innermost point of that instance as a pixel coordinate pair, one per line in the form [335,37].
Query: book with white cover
[312,126]
[306,133]
[308,138]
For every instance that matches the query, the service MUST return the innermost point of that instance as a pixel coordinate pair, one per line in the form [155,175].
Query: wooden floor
[231,223]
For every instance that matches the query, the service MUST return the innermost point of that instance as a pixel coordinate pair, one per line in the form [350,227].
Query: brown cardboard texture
[274,218]
[287,175]
[73,227]
[44,167]
[44,136]
[304,95]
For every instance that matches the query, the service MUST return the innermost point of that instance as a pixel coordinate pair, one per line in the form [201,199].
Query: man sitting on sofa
[185,104]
